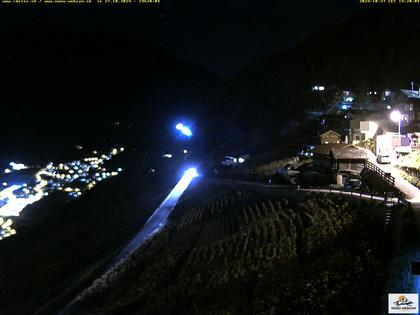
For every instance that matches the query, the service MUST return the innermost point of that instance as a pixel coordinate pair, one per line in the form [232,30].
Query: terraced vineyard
[239,251]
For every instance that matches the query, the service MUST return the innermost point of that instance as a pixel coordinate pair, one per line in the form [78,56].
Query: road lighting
[191,173]
[396,117]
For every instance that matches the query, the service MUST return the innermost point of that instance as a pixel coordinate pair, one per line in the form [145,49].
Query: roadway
[352,194]
[411,192]
[156,222]
[158,219]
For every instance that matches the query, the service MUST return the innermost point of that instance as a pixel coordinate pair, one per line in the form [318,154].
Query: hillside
[374,48]
[236,250]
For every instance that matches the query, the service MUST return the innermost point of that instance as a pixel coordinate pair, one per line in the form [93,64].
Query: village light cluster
[6,229]
[73,178]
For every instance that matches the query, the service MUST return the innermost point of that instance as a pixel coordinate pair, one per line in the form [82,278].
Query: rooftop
[411,93]
[341,151]
[349,152]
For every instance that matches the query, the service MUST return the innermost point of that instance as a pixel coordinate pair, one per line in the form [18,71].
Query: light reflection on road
[159,218]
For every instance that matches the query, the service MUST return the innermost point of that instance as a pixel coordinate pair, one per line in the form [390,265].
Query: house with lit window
[408,104]
[330,136]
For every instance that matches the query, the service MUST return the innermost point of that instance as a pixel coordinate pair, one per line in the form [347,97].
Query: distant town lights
[17,166]
[318,88]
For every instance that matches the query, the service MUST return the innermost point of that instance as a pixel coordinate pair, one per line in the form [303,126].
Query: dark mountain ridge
[375,48]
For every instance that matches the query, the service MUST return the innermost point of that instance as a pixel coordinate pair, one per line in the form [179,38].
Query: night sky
[221,35]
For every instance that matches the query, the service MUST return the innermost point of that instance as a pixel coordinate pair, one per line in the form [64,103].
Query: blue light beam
[158,219]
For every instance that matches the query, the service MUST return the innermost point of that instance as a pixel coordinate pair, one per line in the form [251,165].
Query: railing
[390,180]
[386,198]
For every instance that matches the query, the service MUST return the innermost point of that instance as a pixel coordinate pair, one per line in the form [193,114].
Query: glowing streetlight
[396,116]
[184,129]
[191,173]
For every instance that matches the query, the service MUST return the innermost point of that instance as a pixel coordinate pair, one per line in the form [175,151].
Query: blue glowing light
[184,129]
[191,173]
[17,166]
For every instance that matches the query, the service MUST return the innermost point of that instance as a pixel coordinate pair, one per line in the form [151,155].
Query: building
[349,158]
[329,137]
[408,104]
[361,129]
[340,157]
[322,156]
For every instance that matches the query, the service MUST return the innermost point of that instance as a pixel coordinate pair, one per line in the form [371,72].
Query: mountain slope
[376,47]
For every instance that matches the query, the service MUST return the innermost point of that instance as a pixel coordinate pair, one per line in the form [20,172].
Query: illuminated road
[153,225]
[412,192]
[159,218]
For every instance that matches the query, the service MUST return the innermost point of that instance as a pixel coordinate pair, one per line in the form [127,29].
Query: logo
[403,303]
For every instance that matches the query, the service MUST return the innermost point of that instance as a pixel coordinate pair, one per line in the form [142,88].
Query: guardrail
[387,198]
[390,180]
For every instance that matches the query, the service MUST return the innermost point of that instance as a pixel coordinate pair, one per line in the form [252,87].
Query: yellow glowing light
[6,224]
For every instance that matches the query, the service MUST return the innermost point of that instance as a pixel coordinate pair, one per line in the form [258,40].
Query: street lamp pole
[396,117]
[399,126]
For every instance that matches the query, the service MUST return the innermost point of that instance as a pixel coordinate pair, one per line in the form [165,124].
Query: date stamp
[389,1]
